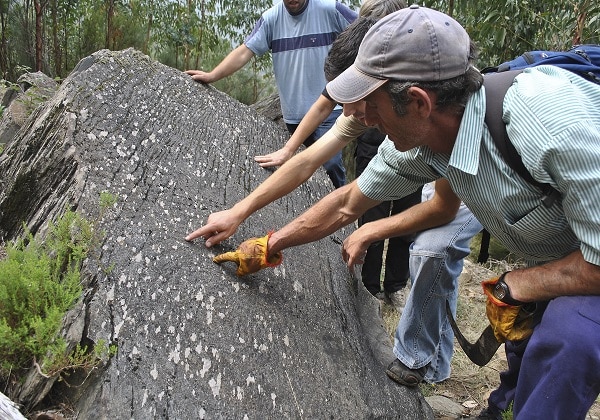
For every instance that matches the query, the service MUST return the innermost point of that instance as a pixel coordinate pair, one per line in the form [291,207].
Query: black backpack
[584,60]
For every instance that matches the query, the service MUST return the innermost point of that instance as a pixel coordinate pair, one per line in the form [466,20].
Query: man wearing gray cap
[413,78]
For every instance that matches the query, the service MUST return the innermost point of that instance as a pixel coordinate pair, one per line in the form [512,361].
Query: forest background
[51,36]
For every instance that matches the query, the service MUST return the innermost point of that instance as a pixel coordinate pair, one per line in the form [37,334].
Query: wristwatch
[502,292]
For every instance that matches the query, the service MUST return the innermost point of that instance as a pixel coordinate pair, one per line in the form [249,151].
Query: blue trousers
[334,166]
[424,335]
[555,374]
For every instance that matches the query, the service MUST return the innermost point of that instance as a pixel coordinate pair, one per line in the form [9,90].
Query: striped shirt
[552,117]
[299,45]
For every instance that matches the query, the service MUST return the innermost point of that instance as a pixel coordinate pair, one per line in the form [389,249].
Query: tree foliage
[197,34]
[504,29]
[53,35]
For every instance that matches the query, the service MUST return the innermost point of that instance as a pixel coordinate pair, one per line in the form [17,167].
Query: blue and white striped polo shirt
[299,45]
[553,119]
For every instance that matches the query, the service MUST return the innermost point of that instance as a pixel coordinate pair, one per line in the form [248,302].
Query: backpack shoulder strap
[496,85]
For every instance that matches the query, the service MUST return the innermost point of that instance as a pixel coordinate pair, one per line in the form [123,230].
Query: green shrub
[39,282]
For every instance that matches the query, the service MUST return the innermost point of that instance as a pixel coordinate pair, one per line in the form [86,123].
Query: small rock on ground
[445,408]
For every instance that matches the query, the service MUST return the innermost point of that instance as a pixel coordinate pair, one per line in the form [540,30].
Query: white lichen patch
[110,294]
[154,372]
[279,271]
[174,355]
[250,380]
[297,286]
[144,397]
[209,309]
[215,385]
[117,328]
[263,289]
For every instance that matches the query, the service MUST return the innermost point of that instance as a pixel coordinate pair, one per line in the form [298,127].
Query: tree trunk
[4,7]
[110,14]
[39,34]
[57,54]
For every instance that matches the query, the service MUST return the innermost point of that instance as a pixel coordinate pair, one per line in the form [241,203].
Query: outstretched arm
[339,208]
[317,113]
[234,61]
[223,224]
[437,211]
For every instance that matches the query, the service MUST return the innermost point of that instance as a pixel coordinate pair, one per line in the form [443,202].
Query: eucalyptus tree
[53,35]
[504,29]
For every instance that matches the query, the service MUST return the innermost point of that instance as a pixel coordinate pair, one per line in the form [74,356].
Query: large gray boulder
[301,341]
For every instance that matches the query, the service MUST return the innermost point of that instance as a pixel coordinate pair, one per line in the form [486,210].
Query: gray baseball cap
[412,44]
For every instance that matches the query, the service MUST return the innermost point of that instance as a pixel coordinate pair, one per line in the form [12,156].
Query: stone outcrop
[20,99]
[301,341]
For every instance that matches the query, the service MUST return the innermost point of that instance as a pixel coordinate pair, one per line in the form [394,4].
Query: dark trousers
[397,255]
[555,374]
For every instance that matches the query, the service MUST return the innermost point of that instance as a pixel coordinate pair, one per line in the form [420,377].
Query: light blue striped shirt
[299,45]
[553,120]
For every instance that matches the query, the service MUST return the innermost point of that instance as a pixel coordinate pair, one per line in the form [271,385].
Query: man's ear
[421,100]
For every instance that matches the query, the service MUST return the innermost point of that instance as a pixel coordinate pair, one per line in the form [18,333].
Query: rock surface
[303,340]
[20,99]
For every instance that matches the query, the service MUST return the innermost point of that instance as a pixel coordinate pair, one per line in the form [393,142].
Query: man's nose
[370,117]
[356,108]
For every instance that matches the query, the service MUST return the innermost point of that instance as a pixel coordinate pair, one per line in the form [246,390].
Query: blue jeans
[424,335]
[555,374]
[334,166]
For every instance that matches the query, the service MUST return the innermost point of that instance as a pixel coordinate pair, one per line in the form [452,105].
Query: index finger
[212,237]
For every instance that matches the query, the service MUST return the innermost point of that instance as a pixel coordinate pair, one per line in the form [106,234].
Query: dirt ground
[469,384]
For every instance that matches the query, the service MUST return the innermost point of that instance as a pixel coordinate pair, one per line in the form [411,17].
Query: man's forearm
[317,113]
[422,216]
[291,174]
[283,181]
[234,61]
[339,208]
[568,276]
